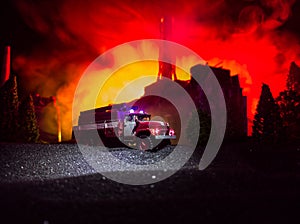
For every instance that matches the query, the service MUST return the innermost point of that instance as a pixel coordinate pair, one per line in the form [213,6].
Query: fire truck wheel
[145,143]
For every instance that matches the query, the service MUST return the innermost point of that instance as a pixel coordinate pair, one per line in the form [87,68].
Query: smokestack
[5,72]
[166,70]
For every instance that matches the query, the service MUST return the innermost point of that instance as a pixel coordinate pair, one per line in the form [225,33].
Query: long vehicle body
[118,126]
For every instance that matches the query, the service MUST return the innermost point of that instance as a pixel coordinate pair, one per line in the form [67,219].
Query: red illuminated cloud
[245,35]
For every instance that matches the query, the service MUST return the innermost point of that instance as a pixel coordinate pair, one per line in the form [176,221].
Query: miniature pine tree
[29,131]
[267,122]
[293,80]
[9,110]
[289,104]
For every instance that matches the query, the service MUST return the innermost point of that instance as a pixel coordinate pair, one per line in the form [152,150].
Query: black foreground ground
[54,184]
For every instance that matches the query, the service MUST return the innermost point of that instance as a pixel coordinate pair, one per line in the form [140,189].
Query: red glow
[5,72]
[76,32]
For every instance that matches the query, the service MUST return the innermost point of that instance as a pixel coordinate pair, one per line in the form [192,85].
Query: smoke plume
[247,37]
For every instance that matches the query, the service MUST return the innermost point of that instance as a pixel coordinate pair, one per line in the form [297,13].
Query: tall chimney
[166,69]
[5,72]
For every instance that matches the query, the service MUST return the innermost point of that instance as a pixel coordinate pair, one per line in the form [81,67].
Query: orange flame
[250,46]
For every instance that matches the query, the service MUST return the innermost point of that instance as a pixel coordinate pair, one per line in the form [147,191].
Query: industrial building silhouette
[236,103]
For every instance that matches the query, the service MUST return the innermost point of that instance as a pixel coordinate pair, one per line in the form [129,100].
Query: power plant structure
[166,61]
[236,103]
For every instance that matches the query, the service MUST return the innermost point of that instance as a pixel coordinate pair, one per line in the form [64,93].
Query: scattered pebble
[40,161]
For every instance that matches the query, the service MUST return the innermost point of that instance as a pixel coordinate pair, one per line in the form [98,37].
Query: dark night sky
[14,31]
[23,37]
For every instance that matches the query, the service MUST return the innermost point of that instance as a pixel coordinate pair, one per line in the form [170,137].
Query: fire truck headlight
[171,132]
[154,131]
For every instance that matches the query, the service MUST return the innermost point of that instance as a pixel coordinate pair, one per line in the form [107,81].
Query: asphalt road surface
[56,184]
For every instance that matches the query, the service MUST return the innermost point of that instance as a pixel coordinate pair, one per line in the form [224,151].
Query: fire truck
[119,125]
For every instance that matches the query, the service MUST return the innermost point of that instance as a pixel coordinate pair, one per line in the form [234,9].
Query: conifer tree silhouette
[289,105]
[29,130]
[9,102]
[267,123]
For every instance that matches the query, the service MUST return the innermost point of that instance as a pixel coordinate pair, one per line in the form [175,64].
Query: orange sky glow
[241,37]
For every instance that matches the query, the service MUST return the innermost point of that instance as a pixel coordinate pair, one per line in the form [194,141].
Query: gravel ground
[33,162]
[56,184]
[30,162]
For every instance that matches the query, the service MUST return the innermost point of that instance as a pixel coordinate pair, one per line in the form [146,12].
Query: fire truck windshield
[144,118]
[140,117]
